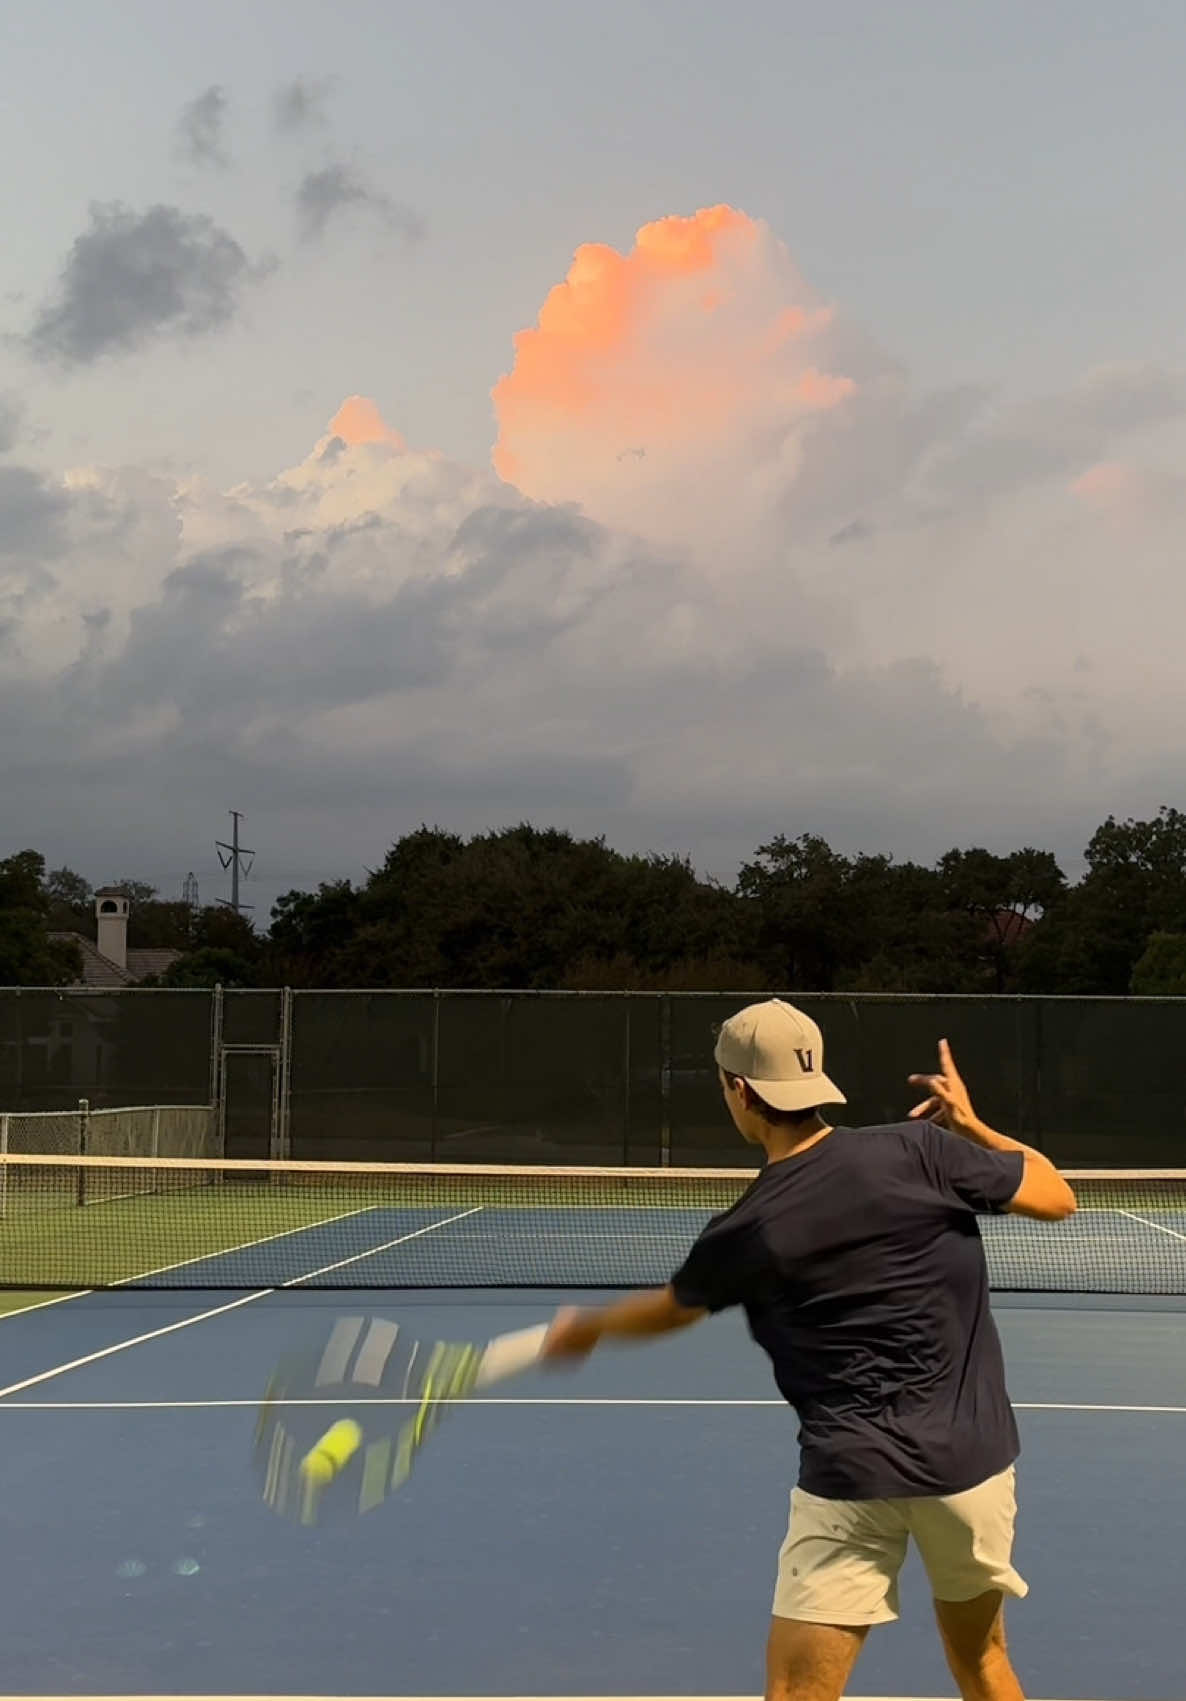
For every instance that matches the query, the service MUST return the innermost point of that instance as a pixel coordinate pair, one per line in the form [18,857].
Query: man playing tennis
[858,1261]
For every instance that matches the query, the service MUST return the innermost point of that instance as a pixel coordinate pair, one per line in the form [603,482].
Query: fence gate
[250,1080]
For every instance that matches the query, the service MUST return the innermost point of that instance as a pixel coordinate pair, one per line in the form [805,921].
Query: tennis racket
[317,1464]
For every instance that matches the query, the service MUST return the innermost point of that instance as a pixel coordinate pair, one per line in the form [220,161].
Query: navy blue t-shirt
[861,1270]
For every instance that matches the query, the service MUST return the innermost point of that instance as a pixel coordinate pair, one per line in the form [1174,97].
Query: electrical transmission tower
[189,891]
[235,853]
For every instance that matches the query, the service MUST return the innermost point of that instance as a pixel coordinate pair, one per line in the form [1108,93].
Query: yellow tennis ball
[337,1446]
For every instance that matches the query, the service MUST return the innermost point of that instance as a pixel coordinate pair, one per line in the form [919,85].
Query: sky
[672,422]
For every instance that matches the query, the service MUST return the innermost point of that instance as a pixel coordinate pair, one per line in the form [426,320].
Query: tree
[64,886]
[28,956]
[1091,940]
[1161,970]
[139,892]
[153,924]
[210,966]
[513,908]
[1002,895]
[824,922]
[71,902]
[310,930]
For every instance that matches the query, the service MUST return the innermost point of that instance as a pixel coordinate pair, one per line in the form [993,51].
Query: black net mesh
[88,1222]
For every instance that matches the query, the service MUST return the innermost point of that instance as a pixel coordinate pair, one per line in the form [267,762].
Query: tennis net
[85,1222]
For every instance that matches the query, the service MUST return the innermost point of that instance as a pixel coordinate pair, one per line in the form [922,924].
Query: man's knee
[973,1631]
[810,1662]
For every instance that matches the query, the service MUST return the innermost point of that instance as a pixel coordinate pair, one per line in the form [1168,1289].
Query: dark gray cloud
[32,514]
[11,414]
[1057,436]
[201,130]
[336,189]
[300,105]
[380,638]
[131,277]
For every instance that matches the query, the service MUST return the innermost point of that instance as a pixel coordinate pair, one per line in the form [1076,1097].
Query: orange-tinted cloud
[1109,484]
[703,335]
[358,420]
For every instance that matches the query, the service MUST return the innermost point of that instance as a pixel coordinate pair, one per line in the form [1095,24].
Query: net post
[3,1165]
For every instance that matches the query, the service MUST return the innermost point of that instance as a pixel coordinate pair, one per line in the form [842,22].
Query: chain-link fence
[133,1131]
[578,1077]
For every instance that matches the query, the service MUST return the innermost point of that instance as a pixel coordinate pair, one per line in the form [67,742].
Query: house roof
[98,970]
[149,960]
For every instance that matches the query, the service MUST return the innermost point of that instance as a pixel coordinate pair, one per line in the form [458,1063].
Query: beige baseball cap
[780,1052]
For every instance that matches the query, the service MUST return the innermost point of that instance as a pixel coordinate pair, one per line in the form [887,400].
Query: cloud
[11,414]
[677,388]
[382,631]
[300,105]
[747,579]
[132,277]
[358,420]
[201,129]
[31,516]
[324,196]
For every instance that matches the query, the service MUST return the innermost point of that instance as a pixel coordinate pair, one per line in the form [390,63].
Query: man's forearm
[651,1313]
[983,1135]
[655,1311]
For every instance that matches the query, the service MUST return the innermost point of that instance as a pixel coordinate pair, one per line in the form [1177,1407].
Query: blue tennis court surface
[606,1532]
[390,1246]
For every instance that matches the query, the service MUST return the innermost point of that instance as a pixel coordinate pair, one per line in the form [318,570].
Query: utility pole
[235,852]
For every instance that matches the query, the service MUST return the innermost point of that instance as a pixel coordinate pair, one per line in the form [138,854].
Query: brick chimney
[111,914]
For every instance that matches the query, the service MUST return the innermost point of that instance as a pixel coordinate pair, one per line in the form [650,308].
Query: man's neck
[789,1142]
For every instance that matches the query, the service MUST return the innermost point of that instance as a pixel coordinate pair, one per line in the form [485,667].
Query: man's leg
[837,1575]
[973,1635]
[966,1542]
[811,1662]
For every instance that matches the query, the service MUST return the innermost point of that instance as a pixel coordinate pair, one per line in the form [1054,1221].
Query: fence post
[284,1131]
[1038,1132]
[435,1068]
[84,1117]
[665,1079]
[626,1066]
[216,1082]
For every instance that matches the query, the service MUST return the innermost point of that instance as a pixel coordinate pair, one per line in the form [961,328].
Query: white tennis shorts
[840,1561]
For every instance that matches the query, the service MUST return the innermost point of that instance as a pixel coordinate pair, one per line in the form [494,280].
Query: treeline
[536,908]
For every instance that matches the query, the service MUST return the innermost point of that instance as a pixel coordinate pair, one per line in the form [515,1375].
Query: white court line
[516,1400]
[1147,1222]
[58,1299]
[121,1346]
[218,1310]
[202,1258]
[106,1697]
[371,1251]
[244,1246]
